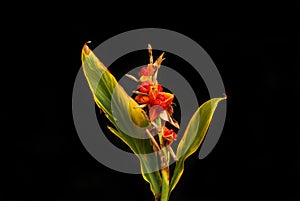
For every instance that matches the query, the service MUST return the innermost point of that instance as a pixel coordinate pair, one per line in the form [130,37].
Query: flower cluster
[159,104]
[154,95]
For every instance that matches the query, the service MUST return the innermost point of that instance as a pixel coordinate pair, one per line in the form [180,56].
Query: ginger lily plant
[150,110]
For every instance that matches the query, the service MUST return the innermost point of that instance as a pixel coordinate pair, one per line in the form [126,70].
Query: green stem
[164,160]
[165,184]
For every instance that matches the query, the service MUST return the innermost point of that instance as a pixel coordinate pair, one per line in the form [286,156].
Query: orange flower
[142,99]
[157,97]
[169,134]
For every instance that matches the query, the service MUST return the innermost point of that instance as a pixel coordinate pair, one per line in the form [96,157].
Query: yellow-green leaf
[119,107]
[193,136]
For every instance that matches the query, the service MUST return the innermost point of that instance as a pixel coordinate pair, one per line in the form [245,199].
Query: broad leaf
[118,106]
[193,136]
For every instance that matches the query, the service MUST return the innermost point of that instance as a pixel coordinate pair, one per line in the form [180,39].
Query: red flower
[169,134]
[159,88]
[160,96]
[145,87]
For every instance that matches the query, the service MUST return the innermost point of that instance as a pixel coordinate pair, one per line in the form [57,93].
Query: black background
[256,158]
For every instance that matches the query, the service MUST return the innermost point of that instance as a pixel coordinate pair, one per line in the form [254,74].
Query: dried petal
[154,112]
[151,69]
[145,79]
[150,54]
[132,77]
[164,115]
[159,60]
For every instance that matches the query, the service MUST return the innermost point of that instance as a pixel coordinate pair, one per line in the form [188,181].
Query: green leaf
[104,87]
[130,123]
[193,136]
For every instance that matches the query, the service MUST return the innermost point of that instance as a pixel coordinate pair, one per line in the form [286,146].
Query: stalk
[164,161]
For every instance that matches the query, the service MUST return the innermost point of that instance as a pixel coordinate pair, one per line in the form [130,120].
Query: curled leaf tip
[86,49]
